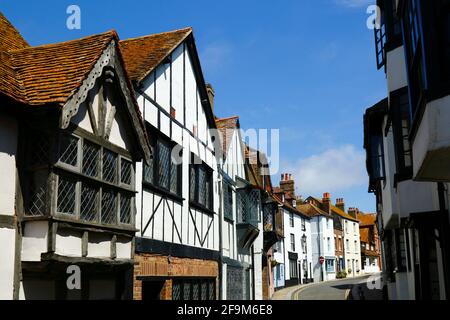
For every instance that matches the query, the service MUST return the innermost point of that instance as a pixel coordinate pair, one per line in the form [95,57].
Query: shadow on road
[343,286]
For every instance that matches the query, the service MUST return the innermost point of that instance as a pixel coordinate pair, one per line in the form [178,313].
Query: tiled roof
[52,73]
[342,213]
[336,210]
[10,39]
[142,55]
[227,127]
[367,219]
[49,73]
[364,234]
[311,210]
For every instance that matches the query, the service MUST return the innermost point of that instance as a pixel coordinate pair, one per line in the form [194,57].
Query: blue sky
[305,67]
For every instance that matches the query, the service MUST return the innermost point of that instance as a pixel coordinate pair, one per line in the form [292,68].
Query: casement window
[89,181]
[200,184]
[293,269]
[227,201]
[291,219]
[304,245]
[303,225]
[380,42]
[389,33]
[412,33]
[292,238]
[248,206]
[377,157]
[164,172]
[401,124]
[194,289]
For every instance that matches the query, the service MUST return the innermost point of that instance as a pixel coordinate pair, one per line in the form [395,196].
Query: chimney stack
[326,201]
[287,184]
[340,204]
[211,94]
[353,212]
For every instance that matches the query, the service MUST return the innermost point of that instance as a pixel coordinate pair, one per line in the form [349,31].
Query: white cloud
[354,3]
[334,170]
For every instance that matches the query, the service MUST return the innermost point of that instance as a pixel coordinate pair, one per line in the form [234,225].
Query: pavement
[343,289]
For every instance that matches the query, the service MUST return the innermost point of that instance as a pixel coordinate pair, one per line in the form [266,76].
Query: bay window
[78,176]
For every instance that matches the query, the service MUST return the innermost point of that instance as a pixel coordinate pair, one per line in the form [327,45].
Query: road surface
[344,289]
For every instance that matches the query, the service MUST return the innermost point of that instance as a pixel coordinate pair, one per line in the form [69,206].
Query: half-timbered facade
[75,141]
[240,216]
[177,248]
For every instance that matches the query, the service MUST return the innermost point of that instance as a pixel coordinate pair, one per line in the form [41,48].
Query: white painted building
[406,139]
[352,244]
[322,241]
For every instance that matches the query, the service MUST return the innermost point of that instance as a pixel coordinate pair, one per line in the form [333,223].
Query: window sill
[162,192]
[201,208]
[228,219]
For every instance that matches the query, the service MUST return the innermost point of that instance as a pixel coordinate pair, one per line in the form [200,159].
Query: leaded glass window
[68,149]
[66,195]
[125,209]
[200,184]
[91,153]
[89,203]
[89,190]
[163,172]
[109,209]
[37,193]
[126,171]
[164,163]
[228,201]
[176,291]
[109,166]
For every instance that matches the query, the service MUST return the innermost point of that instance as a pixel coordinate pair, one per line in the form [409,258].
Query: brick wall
[164,266]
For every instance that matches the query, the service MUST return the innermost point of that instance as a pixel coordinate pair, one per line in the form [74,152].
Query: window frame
[157,138]
[58,169]
[76,173]
[292,240]
[197,164]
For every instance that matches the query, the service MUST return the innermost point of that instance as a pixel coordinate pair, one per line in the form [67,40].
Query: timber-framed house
[177,248]
[74,136]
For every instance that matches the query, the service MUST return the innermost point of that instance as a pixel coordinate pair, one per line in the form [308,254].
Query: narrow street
[345,289]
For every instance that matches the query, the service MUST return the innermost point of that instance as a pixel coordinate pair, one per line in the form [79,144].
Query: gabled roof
[142,55]
[364,235]
[52,73]
[336,210]
[342,213]
[227,127]
[312,210]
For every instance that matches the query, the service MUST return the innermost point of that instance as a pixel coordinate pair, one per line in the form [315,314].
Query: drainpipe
[445,243]
[219,181]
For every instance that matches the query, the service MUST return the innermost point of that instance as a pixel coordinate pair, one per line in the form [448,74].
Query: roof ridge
[227,118]
[157,34]
[112,32]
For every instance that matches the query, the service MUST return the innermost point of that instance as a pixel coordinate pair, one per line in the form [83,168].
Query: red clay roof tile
[142,55]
